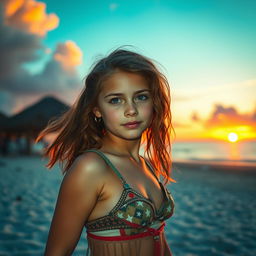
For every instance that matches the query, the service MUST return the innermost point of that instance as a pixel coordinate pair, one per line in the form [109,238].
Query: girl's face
[125,97]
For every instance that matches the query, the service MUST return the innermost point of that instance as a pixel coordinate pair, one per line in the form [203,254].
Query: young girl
[108,187]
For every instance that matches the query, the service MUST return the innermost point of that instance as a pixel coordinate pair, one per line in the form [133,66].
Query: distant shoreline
[229,165]
[218,165]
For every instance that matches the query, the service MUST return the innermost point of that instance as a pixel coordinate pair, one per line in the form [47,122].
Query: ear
[96,112]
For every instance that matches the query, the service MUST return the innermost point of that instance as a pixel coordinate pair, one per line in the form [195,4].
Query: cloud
[29,16]
[68,55]
[21,42]
[195,117]
[228,116]
[56,76]
[16,48]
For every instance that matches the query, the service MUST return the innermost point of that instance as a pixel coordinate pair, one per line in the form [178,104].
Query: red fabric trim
[134,225]
[150,232]
[122,232]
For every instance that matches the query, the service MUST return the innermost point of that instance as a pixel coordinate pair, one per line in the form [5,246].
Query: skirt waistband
[149,232]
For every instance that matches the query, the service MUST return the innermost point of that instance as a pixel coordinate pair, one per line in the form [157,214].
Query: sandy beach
[214,208]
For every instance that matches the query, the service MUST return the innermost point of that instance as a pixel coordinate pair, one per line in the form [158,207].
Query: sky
[206,49]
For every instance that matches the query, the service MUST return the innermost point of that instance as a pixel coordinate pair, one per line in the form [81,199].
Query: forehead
[123,82]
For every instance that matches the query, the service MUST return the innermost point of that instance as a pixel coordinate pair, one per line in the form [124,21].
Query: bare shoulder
[79,193]
[88,165]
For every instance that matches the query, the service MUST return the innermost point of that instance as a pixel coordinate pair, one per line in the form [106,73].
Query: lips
[132,123]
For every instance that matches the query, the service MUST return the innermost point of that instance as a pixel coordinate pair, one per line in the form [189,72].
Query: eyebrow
[119,94]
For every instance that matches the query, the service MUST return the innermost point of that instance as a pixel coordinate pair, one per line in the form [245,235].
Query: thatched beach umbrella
[31,120]
[34,118]
[3,121]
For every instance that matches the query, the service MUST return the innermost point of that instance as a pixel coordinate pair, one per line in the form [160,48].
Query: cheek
[111,117]
[147,111]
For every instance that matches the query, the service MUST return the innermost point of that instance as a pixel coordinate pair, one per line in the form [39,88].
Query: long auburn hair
[78,130]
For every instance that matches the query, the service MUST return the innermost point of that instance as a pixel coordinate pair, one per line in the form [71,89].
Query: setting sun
[232,137]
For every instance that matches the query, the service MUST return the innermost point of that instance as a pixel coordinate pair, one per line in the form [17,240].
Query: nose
[131,109]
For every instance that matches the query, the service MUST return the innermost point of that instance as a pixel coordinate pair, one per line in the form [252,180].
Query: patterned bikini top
[133,213]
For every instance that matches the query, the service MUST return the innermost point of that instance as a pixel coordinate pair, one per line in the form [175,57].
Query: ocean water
[217,151]
[214,210]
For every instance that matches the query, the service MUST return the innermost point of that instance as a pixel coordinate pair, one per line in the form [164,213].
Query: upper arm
[79,190]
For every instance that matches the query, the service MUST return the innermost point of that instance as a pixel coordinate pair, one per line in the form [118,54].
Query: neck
[122,147]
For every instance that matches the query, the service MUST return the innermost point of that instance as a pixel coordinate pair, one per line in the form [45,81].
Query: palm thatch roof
[35,117]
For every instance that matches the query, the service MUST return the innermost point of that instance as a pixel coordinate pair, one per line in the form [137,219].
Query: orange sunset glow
[29,16]
[233,134]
